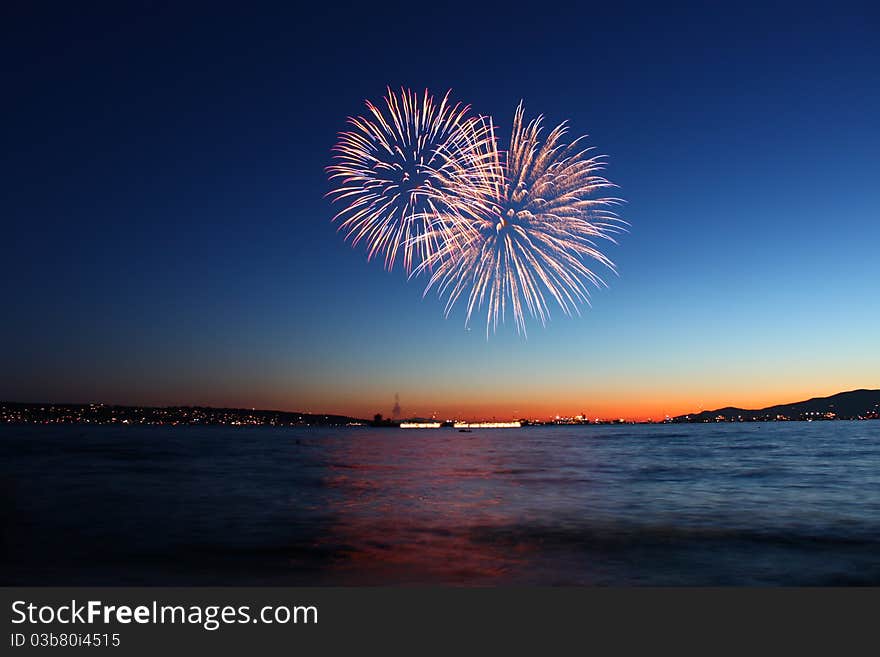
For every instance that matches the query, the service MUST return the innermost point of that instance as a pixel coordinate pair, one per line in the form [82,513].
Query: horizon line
[414,416]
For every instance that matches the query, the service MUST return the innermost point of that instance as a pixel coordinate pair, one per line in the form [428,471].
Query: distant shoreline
[852,405]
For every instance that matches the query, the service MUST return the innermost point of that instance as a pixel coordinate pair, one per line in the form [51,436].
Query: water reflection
[783,503]
[406,508]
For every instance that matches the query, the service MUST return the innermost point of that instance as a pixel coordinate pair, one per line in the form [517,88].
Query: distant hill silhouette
[851,405]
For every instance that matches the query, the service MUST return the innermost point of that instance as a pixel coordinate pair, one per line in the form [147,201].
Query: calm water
[748,504]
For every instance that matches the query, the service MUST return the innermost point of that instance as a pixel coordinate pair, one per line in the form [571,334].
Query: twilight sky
[167,240]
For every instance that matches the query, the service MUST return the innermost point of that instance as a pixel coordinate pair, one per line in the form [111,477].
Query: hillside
[852,405]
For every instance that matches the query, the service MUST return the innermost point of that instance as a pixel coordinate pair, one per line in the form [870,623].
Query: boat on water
[488,425]
[463,427]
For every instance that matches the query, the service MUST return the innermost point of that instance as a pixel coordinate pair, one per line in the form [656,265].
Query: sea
[751,504]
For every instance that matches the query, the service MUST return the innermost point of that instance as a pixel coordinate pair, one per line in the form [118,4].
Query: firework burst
[529,230]
[396,169]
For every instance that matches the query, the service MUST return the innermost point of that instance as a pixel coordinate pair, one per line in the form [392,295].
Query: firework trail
[396,169]
[528,230]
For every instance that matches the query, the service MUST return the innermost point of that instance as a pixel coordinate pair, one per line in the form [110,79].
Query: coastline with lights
[852,405]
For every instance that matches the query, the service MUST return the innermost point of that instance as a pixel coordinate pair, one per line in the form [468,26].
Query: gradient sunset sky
[167,240]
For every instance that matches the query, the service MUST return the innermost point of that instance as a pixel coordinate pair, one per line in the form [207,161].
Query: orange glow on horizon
[522,398]
[626,407]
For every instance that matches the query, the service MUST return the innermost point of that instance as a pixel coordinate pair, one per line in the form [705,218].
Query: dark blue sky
[167,239]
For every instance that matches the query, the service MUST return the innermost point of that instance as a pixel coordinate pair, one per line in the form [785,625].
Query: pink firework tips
[507,231]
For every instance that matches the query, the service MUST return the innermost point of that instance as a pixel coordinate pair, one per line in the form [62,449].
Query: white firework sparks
[395,170]
[529,228]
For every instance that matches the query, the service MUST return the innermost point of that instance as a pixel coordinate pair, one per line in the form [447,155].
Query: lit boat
[488,425]
[420,425]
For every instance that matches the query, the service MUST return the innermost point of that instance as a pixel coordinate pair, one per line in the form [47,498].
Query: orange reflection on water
[409,509]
